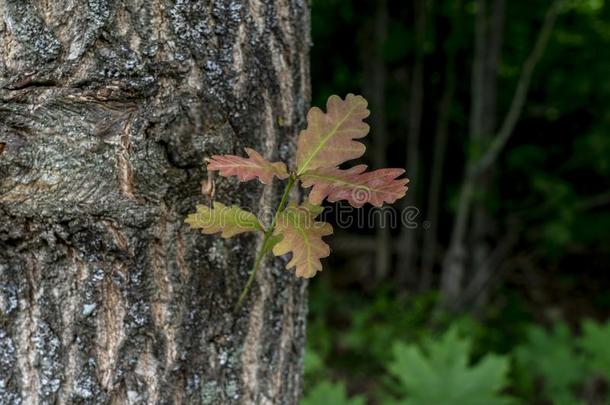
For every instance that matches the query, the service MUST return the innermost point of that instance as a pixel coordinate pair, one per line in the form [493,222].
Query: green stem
[267,236]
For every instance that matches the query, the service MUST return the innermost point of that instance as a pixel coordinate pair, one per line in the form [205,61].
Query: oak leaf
[329,137]
[355,185]
[302,235]
[248,168]
[228,220]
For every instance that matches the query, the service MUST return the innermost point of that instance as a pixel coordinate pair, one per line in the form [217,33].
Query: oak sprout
[328,141]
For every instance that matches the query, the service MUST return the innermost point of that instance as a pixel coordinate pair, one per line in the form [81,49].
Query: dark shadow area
[500,113]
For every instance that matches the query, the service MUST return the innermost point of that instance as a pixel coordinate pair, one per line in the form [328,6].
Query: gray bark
[107,110]
[483,223]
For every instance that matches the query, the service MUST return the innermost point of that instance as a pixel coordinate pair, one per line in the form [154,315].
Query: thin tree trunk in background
[408,255]
[454,262]
[430,240]
[375,71]
[477,106]
[453,265]
[107,111]
[482,226]
[495,36]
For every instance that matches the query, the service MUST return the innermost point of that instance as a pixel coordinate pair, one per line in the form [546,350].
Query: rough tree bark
[107,110]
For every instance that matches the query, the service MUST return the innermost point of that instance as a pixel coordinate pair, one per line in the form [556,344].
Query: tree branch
[518,101]
[453,265]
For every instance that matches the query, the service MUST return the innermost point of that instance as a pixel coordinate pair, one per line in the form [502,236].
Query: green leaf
[302,235]
[228,220]
[552,356]
[595,342]
[313,365]
[328,393]
[442,373]
[329,137]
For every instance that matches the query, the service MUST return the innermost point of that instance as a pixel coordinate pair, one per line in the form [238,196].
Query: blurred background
[500,112]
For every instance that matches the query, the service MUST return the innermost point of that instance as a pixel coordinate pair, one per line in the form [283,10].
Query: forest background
[497,290]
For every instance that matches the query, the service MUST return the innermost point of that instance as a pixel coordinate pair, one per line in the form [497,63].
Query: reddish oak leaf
[355,185]
[228,220]
[248,168]
[329,137]
[302,235]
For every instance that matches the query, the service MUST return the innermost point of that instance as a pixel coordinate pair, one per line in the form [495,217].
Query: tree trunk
[107,111]
[441,135]
[374,88]
[408,255]
[452,283]
[482,219]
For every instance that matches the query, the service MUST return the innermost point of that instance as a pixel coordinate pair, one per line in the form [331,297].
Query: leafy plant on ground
[377,324]
[441,372]
[595,344]
[328,141]
[565,366]
[552,357]
[349,334]
[330,393]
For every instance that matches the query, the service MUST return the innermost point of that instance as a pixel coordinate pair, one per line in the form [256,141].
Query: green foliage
[313,364]
[386,340]
[372,324]
[440,372]
[562,363]
[593,150]
[376,326]
[328,393]
[595,344]
[525,157]
[551,356]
